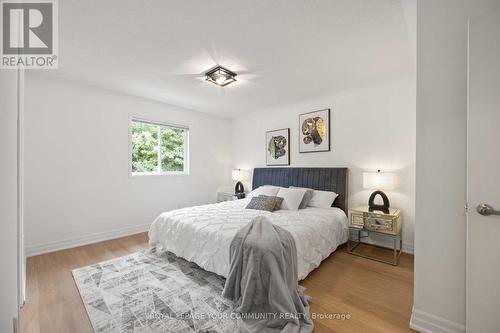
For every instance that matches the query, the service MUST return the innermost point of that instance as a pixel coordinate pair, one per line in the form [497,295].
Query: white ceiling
[284,51]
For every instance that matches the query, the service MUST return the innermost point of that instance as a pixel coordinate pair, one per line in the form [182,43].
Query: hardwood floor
[376,296]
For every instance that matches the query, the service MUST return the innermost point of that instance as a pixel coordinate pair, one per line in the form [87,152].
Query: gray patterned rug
[149,292]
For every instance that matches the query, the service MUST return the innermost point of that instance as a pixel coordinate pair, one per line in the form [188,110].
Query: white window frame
[161,173]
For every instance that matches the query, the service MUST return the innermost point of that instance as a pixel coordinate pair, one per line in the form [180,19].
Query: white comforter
[202,234]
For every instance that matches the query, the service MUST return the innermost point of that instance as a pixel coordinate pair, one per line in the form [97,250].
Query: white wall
[77,180]
[371,128]
[441,151]
[440,234]
[8,198]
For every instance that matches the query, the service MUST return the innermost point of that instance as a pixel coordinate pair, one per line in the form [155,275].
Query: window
[158,149]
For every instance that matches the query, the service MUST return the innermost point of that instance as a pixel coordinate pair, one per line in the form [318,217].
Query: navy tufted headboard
[323,179]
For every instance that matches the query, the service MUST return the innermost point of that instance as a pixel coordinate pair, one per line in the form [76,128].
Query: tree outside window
[158,149]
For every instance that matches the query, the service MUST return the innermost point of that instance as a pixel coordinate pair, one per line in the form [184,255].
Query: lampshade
[240,175]
[379,180]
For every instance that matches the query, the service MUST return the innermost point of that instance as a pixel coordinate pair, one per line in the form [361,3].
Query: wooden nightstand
[361,220]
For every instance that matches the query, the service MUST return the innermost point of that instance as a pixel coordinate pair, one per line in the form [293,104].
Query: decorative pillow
[291,198]
[307,196]
[262,203]
[277,200]
[322,199]
[264,190]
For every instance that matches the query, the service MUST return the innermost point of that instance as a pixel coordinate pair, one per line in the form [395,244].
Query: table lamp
[379,181]
[240,176]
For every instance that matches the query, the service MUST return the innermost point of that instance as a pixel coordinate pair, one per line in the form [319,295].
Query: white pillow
[307,196]
[291,197]
[264,190]
[322,199]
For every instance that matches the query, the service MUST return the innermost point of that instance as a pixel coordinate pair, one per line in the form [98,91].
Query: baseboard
[408,248]
[424,322]
[37,249]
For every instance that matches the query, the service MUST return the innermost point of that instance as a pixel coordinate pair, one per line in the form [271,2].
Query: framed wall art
[278,147]
[314,131]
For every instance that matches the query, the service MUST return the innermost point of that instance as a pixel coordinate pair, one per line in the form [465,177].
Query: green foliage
[145,148]
[172,149]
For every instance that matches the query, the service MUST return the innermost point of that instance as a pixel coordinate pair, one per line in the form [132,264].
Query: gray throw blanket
[262,280]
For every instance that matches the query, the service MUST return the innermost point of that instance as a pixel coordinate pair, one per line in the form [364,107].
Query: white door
[483,231]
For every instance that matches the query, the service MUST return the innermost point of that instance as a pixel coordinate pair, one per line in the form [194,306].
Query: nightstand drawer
[382,223]
[379,224]
[357,220]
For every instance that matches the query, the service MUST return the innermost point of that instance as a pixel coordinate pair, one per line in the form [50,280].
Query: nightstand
[226,196]
[362,223]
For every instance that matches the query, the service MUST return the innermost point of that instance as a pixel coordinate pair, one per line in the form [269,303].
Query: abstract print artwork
[314,131]
[278,147]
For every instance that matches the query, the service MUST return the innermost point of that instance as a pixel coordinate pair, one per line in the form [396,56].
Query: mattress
[203,234]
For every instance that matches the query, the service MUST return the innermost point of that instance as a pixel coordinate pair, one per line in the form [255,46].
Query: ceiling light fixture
[220,76]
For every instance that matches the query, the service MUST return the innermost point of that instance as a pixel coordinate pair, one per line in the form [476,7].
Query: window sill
[157,174]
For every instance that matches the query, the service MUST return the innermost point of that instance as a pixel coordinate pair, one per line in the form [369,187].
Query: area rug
[151,292]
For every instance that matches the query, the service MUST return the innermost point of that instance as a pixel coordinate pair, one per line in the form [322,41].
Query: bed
[203,234]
